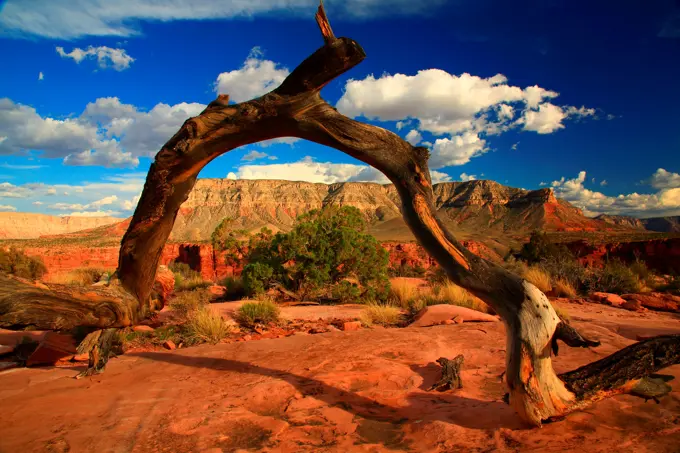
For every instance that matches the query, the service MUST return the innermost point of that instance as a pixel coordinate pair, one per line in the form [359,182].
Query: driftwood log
[296,109]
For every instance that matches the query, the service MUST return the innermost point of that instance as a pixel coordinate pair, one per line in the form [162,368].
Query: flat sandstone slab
[334,392]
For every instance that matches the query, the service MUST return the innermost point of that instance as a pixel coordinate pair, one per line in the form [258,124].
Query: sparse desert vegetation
[187,279]
[14,261]
[381,314]
[262,311]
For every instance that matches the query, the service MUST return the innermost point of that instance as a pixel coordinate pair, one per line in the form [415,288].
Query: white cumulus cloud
[464,109]
[662,179]
[665,202]
[255,78]
[309,170]
[106,57]
[7,208]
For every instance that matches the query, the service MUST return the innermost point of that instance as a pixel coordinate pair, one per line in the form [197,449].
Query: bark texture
[451,378]
[295,109]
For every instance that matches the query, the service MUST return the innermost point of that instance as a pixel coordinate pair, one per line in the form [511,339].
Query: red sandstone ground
[334,392]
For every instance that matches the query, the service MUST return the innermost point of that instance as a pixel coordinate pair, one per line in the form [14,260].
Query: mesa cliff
[24,225]
[472,206]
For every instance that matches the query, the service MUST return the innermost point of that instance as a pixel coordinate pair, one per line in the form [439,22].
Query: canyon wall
[24,225]
[474,206]
[210,263]
[661,255]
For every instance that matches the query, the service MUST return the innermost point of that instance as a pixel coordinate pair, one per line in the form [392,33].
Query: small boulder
[633,305]
[351,325]
[169,344]
[142,328]
[53,348]
[217,291]
[653,302]
[164,284]
[608,299]
[438,314]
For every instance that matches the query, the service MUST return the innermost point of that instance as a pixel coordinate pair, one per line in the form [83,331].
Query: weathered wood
[625,371]
[451,378]
[99,345]
[295,109]
[48,306]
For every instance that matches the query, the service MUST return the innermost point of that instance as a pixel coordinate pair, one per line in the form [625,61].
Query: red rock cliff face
[662,255]
[213,265]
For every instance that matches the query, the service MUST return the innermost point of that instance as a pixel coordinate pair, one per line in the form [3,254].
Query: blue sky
[578,96]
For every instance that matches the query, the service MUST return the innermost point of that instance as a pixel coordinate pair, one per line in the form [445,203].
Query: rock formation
[470,206]
[24,225]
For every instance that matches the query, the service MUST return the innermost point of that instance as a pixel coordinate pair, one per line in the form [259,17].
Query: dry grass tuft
[453,294]
[206,326]
[186,303]
[561,313]
[402,292]
[79,277]
[563,288]
[538,277]
[384,315]
[263,311]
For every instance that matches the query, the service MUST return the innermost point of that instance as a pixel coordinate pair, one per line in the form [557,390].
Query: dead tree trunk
[296,109]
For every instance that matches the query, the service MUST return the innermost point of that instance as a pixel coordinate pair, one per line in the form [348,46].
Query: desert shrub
[256,278]
[81,277]
[402,292]
[563,288]
[614,277]
[191,284]
[645,276]
[128,338]
[512,264]
[453,294]
[406,270]
[346,292]
[263,311]
[672,286]
[384,315]
[538,277]
[187,279]
[16,262]
[539,248]
[89,276]
[565,268]
[185,303]
[324,248]
[205,326]
[234,288]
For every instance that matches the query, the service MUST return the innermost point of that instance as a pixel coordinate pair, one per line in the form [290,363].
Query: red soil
[357,391]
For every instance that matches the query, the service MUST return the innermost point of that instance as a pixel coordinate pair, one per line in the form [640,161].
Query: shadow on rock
[423,406]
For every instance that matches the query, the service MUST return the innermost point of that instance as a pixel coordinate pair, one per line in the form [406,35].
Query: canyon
[489,218]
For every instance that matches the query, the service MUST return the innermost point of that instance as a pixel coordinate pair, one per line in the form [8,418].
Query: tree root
[98,345]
